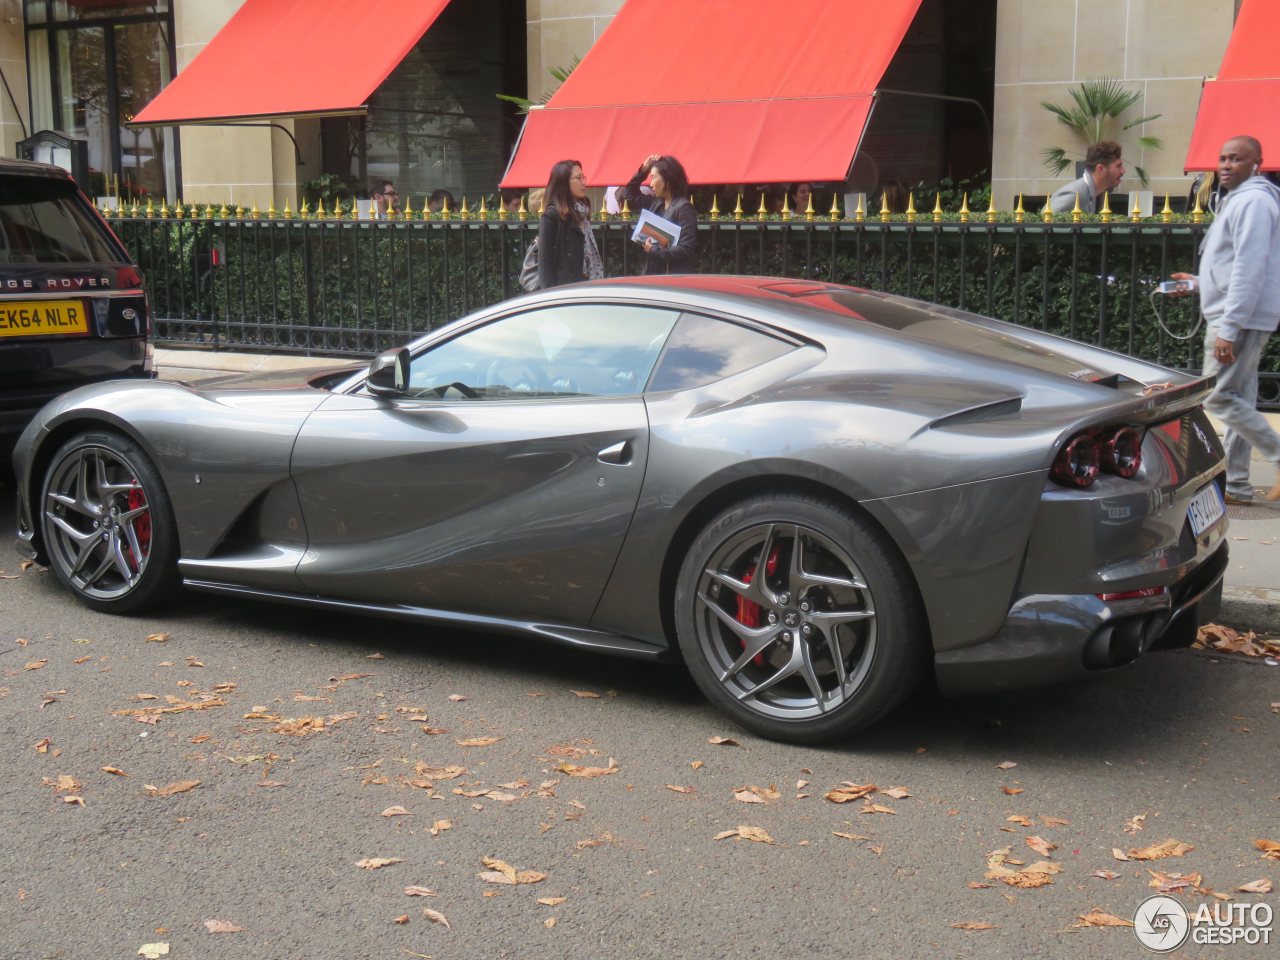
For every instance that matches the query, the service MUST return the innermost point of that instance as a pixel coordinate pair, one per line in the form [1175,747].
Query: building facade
[966,67]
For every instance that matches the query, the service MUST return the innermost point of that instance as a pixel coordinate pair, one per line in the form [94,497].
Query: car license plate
[43,318]
[1206,509]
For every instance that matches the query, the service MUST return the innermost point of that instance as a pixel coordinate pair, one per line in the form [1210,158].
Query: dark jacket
[560,250]
[680,256]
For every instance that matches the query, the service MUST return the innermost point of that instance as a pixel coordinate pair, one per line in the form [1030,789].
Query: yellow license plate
[43,318]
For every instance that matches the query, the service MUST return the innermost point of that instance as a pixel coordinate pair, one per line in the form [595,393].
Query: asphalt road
[270,839]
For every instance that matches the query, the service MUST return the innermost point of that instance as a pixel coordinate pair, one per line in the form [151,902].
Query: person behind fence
[1239,284]
[437,200]
[1103,171]
[800,194]
[510,199]
[670,186]
[384,196]
[567,250]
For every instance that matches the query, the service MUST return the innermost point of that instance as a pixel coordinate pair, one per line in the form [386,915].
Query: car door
[504,480]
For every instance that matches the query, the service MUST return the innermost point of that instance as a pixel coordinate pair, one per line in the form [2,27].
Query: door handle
[619,453]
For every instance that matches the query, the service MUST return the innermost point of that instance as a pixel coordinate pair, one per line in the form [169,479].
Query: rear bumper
[1054,638]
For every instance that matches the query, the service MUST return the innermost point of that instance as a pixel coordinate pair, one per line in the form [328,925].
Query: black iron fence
[354,287]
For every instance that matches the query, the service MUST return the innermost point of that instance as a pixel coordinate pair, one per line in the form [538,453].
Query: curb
[1250,608]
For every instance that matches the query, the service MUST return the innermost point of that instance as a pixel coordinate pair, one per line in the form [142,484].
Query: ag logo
[1161,924]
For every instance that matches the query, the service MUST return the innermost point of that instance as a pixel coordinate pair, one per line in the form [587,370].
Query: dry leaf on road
[679,789]
[1118,854]
[435,916]
[973,925]
[115,771]
[573,770]
[153,951]
[551,901]
[440,826]
[1270,849]
[1105,874]
[586,694]
[377,863]
[222,926]
[502,872]
[1054,821]
[898,793]
[1041,846]
[1134,824]
[158,637]
[848,836]
[850,791]
[182,786]
[1255,886]
[753,794]
[478,742]
[869,807]
[1096,918]
[1169,848]
[36,664]
[1007,765]
[419,892]
[723,742]
[1011,791]
[395,812]
[456,697]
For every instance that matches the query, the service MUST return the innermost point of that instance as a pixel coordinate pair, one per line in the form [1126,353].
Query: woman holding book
[567,250]
[670,200]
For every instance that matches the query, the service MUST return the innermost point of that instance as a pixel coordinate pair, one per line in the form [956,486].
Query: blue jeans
[1234,402]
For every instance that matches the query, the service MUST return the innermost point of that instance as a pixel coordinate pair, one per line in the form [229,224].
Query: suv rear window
[44,221]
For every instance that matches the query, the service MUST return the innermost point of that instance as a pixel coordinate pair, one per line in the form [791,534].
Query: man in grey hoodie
[1240,298]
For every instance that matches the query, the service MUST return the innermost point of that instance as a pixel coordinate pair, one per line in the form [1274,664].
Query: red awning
[1245,97]
[290,58]
[740,91]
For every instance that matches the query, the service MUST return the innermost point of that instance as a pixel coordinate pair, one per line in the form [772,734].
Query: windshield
[45,221]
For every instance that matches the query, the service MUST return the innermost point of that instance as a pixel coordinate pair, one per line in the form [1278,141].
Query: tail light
[128,278]
[1077,463]
[1116,450]
[1122,452]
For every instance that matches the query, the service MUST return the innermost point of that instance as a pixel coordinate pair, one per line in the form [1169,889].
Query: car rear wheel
[108,524]
[798,618]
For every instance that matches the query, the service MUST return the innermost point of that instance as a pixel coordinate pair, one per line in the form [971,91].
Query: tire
[846,643]
[108,524]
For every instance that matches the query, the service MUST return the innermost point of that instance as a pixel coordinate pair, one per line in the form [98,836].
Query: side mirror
[389,373]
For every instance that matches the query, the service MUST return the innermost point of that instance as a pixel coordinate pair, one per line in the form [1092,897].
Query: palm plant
[559,74]
[1099,105]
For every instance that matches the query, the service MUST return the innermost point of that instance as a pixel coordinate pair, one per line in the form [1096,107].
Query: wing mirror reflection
[389,373]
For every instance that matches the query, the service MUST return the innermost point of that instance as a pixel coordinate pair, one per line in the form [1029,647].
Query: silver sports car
[814,496]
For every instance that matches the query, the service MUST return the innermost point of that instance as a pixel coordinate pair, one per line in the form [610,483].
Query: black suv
[72,309]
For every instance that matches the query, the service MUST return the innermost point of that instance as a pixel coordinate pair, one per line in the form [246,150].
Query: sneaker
[1232,500]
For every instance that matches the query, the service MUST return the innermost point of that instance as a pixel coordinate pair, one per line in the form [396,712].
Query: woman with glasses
[670,199]
[567,250]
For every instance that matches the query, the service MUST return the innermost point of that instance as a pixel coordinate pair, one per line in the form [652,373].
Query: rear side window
[703,350]
[45,221]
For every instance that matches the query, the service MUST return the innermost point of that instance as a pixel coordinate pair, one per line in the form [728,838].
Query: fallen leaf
[435,916]
[696,764]
[270,784]
[152,951]
[1118,854]
[850,791]
[677,789]
[376,656]
[82,660]
[440,826]
[587,694]
[1096,918]
[158,637]
[1270,849]
[869,807]
[754,833]
[433,731]
[396,812]
[725,834]
[182,786]
[221,926]
[502,872]
[1255,886]
[478,742]
[457,697]
[848,836]
[37,664]
[351,676]
[1019,819]
[1169,848]
[754,794]
[62,783]
[1011,791]
[402,919]
[551,901]
[973,925]
[419,892]
[573,770]
[723,742]
[1174,882]
[300,727]
[975,885]
[1105,874]
[1041,846]
[42,746]
[439,773]
[71,798]
[549,922]
[1007,765]
[897,793]
[194,662]
[377,863]
[114,770]
[1134,824]
[1054,821]
[594,842]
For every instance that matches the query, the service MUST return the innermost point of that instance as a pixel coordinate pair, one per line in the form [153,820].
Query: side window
[574,350]
[703,350]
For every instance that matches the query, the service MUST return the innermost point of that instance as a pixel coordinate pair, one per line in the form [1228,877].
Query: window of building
[91,66]
[436,122]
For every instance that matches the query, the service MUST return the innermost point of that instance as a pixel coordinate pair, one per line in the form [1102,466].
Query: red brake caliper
[750,612]
[141,526]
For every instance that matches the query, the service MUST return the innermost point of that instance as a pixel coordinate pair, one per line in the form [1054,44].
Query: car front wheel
[798,618]
[108,525]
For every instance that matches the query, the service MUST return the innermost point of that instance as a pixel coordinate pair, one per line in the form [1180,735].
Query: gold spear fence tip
[911,206]
[1166,215]
[715,208]
[884,207]
[1106,207]
[809,212]
[835,207]
[937,208]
